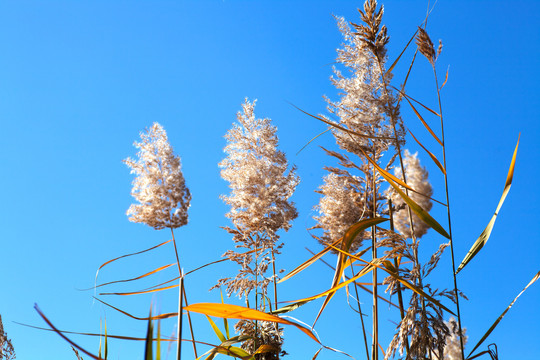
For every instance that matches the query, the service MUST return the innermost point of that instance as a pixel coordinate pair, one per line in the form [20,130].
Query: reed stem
[448,212]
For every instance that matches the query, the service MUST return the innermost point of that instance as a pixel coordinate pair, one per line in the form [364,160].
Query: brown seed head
[425,45]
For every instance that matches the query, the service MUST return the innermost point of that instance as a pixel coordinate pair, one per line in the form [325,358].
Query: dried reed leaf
[244,313]
[158,317]
[416,101]
[135,278]
[140,292]
[503,314]
[389,268]
[315,137]
[422,214]
[399,57]
[424,123]
[351,233]
[365,270]
[118,337]
[435,160]
[445,79]
[63,336]
[342,128]
[135,253]
[308,262]
[484,236]
[266,348]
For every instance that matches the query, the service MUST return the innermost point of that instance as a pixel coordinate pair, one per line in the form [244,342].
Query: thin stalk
[448,212]
[361,316]
[275,282]
[400,296]
[182,296]
[256,290]
[179,329]
[398,148]
[374,348]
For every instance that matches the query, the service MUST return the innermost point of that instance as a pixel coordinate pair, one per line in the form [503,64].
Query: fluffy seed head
[159,185]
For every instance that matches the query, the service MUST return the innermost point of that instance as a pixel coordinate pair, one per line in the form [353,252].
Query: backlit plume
[417,178]
[159,185]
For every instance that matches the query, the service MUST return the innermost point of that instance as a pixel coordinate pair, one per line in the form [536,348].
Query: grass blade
[158,344]
[240,312]
[216,329]
[399,57]
[310,261]
[503,314]
[445,79]
[435,160]
[341,127]
[416,101]
[315,137]
[157,317]
[422,214]
[63,336]
[351,233]
[135,253]
[424,122]
[484,236]
[148,353]
[132,279]
[141,292]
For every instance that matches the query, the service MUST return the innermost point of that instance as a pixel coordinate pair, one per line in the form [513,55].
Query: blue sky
[80,80]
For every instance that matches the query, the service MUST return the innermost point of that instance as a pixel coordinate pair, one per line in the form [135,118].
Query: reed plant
[373,215]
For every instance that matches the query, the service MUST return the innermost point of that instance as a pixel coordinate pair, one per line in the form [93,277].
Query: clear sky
[80,79]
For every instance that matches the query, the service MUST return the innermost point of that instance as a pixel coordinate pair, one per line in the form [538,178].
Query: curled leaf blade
[484,236]
[494,325]
[243,313]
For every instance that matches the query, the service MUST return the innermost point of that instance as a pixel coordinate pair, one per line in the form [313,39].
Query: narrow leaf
[416,101]
[157,317]
[158,344]
[351,233]
[266,348]
[315,137]
[218,332]
[446,79]
[503,314]
[141,292]
[288,308]
[342,128]
[63,336]
[435,160]
[135,253]
[225,321]
[484,236]
[310,261]
[240,312]
[422,214]
[399,57]
[133,279]
[149,339]
[316,354]
[424,123]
